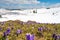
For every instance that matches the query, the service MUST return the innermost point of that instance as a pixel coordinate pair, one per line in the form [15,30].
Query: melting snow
[42,16]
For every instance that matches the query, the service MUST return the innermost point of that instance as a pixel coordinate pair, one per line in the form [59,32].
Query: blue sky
[19,4]
[50,1]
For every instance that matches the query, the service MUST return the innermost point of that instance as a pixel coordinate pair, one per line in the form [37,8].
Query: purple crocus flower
[4,34]
[0,29]
[29,37]
[19,31]
[53,35]
[58,37]
[40,29]
[8,31]
[55,38]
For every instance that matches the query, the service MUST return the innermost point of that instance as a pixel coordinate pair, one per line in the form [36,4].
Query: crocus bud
[29,37]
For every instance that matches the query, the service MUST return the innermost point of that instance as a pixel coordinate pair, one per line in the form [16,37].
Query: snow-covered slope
[43,15]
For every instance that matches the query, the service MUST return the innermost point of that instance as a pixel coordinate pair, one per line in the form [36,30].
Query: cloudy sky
[19,4]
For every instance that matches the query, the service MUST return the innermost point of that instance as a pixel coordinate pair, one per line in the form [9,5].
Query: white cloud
[36,4]
[22,1]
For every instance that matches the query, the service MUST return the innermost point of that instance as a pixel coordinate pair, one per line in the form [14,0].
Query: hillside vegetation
[41,31]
